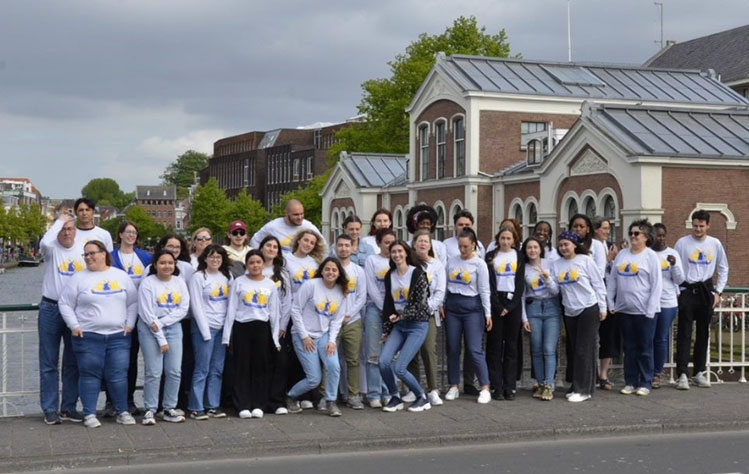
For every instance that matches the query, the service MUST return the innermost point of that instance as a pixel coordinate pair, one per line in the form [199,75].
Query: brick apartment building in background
[159,202]
[268,164]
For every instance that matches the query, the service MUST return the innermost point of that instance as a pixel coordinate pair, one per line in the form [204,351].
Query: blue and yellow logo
[168,299]
[351,285]
[567,277]
[665,265]
[460,276]
[537,283]
[628,269]
[69,266]
[286,243]
[327,308]
[134,271]
[219,293]
[107,287]
[400,295]
[505,268]
[256,298]
[700,258]
[303,274]
[381,274]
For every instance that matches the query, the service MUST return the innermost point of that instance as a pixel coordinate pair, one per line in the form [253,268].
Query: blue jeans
[545,318]
[102,356]
[313,370]
[637,331]
[51,327]
[371,342]
[663,322]
[205,390]
[406,337]
[465,314]
[155,362]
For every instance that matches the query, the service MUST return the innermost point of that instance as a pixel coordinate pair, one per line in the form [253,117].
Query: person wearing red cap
[237,248]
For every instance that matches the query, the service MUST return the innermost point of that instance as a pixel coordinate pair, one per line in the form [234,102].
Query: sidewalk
[27,444]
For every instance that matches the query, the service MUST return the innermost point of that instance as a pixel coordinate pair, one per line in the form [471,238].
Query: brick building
[159,202]
[505,138]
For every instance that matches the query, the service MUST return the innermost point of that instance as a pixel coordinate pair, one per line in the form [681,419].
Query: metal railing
[19,371]
[728,351]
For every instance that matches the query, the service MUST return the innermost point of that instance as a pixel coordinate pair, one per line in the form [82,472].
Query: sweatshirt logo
[380,275]
[134,271]
[505,268]
[219,293]
[168,299]
[628,269]
[327,308]
[400,295]
[351,288]
[256,298]
[69,266]
[303,274]
[460,276]
[700,257]
[665,266]
[537,283]
[107,287]
[286,243]
[567,277]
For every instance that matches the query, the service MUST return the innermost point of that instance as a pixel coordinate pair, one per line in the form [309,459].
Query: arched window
[517,214]
[424,152]
[440,132]
[609,211]
[534,152]
[335,224]
[571,209]
[459,131]
[439,232]
[399,223]
[590,207]
[532,218]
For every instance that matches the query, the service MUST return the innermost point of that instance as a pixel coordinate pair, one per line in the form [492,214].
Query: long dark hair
[156,256]
[525,245]
[184,252]
[342,280]
[382,210]
[586,241]
[225,263]
[411,257]
[278,262]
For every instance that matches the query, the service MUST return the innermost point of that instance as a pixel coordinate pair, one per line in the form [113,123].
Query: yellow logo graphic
[256,298]
[107,287]
[537,283]
[505,268]
[69,266]
[327,308]
[701,257]
[627,269]
[665,265]
[460,276]
[400,295]
[351,285]
[303,274]
[134,271]
[286,243]
[168,299]
[381,274]
[219,293]
[567,277]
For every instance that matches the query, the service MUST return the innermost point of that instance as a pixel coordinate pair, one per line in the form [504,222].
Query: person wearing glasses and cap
[237,248]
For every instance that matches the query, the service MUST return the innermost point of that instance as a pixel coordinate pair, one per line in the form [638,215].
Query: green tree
[309,195]
[385,100]
[251,211]
[210,208]
[182,172]
[149,230]
[106,192]
[33,221]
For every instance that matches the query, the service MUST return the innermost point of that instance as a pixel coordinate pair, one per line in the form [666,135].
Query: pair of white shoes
[629,390]
[256,413]
[484,395]
[575,397]
[434,397]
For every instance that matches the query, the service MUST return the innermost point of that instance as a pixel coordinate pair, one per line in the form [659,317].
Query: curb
[238,451]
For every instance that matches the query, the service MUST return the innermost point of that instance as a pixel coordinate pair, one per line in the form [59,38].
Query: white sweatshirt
[162,302]
[209,301]
[133,266]
[400,288]
[103,302]
[300,270]
[375,269]
[469,278]
[437,279]
[505,265]
[600,253]
[701,258]
[580,284]
[82,236]
[284,297]
[439,250]
[635,283]
[536,287]
[283,232]
[371,240]
[357,291]
[317,309]
[253,300]
[60,263]
[451,248]
[673,275]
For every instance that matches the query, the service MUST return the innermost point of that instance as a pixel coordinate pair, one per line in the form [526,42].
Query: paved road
[691,453]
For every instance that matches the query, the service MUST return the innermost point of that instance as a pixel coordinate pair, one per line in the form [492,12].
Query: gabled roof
[681,132]
[370,170]
[584,80]
[726,52]
[155,192]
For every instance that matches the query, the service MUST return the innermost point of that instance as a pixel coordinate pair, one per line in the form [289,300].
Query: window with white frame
[571,208]
[534,152]
[399,227]
[459,131]
[609,211]
[517,214]
[441,139]
[310,171]
[530,131]
[424,151]
[246,173]
[590,207]
[439,231]
[532,218]
[297,166]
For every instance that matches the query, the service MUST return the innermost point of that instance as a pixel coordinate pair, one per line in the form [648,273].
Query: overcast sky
[98,88]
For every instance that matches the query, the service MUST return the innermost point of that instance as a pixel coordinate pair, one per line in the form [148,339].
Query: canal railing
[19,363]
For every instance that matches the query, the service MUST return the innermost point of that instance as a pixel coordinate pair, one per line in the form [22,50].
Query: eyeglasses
[238,232]
[173,247]
[214,256]
[91,254]
[130,232]
[635,233]
[202,239]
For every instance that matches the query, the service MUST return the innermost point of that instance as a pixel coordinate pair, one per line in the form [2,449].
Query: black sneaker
[216,413]
[393,405]
[71,415]
[469,389]
[497,395]
[198,415]
[509,395]
[421,404]
[51,418]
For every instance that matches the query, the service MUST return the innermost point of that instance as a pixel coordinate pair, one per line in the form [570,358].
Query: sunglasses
[238,232]
[202,239]
[635,233]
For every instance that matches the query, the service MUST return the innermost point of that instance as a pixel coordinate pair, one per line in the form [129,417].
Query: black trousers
[581,333]
[279,380]
[502,350]
[252,364]
[695,306]
[188,365]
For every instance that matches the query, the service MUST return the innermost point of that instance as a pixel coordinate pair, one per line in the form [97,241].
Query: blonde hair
[318,252]
[195,234]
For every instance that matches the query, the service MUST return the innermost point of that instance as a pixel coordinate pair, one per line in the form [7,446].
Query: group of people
[275,323]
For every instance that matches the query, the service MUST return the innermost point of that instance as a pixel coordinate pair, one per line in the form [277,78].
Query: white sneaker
[434,398]
[282,411]
[643,391]
[90,421]
[306,404]
[702,380]
[452,394]
[257,413]
[409,397]
[375,403]
[172,415]
[244,414]
[682,383]
[149,419]
[484,397]
[578,397]
[125,418]
[627,390]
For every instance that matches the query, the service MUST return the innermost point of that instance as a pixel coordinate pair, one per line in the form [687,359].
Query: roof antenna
[569,34]
[660,7]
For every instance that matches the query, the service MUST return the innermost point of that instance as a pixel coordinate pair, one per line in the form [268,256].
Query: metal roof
[269,138]
[674,131]
[585,80]
[374,170]
[156,192]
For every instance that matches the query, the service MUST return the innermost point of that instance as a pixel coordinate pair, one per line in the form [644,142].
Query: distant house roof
[673,131]
[585,80]
[726,52]
[155,192]
[370,170]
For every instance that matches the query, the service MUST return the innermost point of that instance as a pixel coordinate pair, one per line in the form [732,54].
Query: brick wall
[485,214]
[596,183]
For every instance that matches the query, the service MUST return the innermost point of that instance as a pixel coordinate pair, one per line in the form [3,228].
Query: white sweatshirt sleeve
[301,297]
[50,237]
[146,298]
[274,316]
[722,267]
[596,282]
[484,288]
[196,304]
[68,301]
[231,311]
[656,284]
[360,298]
[437,297]
[677,270]
[373,287]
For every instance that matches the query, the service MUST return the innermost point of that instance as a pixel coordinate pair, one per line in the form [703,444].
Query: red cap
[237,225]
